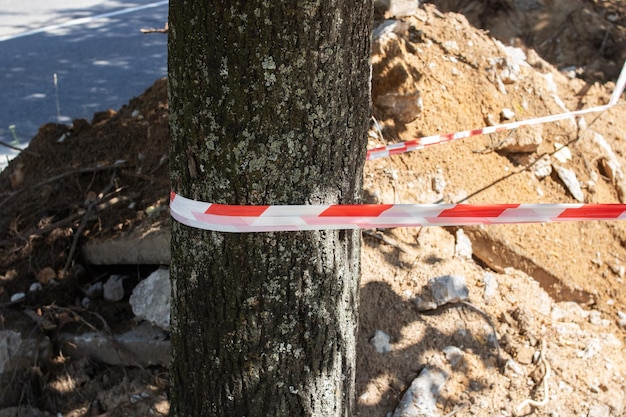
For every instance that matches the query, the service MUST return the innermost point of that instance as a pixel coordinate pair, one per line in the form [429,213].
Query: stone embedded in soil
[568,177]
[18,353]
[46,275]
[114,288]
[448,289]
[491,286]
[150,299]
[453,354]
[524,140]
[420,399]
[599,410]
[621,319]
[145,345]
[380,341]
[543,167]
[442,290]
[463,246]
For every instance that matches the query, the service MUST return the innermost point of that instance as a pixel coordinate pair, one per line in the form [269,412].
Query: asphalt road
[61,62]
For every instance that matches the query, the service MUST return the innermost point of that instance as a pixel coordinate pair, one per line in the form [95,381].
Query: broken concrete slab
[145,345]
[498,253]
[137,248]
[18,352]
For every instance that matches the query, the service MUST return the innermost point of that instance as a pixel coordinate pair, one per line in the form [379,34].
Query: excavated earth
[542,316]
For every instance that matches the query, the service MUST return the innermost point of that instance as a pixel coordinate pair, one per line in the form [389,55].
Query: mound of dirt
[542,313]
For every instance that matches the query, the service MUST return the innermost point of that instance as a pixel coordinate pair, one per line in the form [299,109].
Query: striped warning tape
[419,143]
[229,218]
[233,218]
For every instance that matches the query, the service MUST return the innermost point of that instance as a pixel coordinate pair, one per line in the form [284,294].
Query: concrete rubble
[150,299]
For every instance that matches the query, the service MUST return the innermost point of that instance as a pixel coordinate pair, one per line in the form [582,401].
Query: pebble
[448,289]
[463,246]
[18,296]
[621,319]
[491,286]
[591,350]
[571,182]
[113,289]
[562,154]
[420,399]
[595,318]
[543,167]
[380,341]
[46,275]
[512,368]
[94,291]
[507,114]
[453,354]
[569,311]
[34,287]
[525,355]
[599,410]
[438,183]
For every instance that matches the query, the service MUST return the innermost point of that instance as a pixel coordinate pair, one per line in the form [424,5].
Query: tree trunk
[269,104]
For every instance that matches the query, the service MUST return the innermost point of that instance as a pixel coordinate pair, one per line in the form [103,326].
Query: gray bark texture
[269,104]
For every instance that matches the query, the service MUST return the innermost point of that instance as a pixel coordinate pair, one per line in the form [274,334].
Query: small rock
[621,319]
[46,275]
[453,354]
[150,299]
[525,355]
[380,341]
[569,311]
[599,410]
[438,183]
[448,289]
[543,167]
[18,296]
[595,318]
[507,114]
[592,349]
[34,287]
[512,368]
[524,140]
[491,285]
[571,182]
[463,246]
[401,107]
[113,289]
[618,269]
[18,353]
[562,154]
[420,399]
[424,305]
[94,291]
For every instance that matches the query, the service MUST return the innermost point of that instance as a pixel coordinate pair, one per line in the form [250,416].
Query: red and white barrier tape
[243,219]
[227,218]
[419,143]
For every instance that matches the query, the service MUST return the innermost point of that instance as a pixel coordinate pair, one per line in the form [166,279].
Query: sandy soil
[559,286]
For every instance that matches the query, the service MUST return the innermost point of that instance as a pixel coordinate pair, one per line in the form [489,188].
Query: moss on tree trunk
[269,104]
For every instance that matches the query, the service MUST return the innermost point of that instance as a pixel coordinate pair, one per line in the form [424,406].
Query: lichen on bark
[269,104]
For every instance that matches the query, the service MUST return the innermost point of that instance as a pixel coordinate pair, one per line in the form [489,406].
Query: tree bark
[269,104]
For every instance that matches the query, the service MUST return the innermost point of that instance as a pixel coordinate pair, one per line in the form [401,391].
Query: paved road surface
[95,48]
